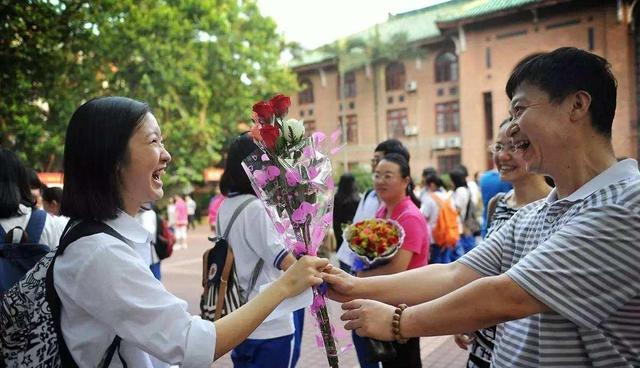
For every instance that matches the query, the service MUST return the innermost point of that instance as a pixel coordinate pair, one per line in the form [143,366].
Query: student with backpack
[259,258]
[463,199]
[438,208]
[95,303]
[26,233]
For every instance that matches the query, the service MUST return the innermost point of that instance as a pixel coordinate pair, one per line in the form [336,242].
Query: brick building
[443,93]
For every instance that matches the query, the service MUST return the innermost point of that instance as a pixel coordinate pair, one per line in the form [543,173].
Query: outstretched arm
[482,303]
[412,287]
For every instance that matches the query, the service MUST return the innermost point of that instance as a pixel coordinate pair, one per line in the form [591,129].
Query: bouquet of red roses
[291,174]
[374,241]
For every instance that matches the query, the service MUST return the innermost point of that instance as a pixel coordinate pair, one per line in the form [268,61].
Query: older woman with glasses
[394,186]
[527,187]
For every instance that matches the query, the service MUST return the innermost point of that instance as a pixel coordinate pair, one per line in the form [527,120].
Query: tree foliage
[199,64]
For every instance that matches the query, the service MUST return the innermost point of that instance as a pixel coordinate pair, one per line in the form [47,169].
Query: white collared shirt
[106,288]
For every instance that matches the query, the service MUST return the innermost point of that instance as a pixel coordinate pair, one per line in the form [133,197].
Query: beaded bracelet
[395,324]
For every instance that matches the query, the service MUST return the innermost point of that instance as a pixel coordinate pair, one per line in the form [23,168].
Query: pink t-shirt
[182,216]
[215,204]
[416,232]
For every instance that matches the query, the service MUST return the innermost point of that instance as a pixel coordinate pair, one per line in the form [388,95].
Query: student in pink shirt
[182,220]
[393,184]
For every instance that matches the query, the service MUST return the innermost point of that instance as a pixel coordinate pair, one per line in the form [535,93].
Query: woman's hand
[341,284]
[306,272]
[369,318]
[464,340]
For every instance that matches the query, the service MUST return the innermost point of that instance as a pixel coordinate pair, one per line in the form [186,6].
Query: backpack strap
[224,278]
[233,217]
[72,232]
[35,226]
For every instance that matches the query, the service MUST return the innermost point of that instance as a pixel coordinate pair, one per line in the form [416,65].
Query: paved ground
[181,275]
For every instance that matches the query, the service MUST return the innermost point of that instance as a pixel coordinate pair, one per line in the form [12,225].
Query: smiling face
[147,159]
[389,184]
[543,132]
[510,165]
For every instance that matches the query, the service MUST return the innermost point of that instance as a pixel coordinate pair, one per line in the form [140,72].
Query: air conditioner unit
[438,144]
[410,130]
[411,86]
[454,142]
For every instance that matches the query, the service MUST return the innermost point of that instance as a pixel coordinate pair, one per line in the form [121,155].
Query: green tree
[199,64]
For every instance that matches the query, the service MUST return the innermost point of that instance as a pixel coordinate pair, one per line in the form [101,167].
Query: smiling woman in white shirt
[114,160]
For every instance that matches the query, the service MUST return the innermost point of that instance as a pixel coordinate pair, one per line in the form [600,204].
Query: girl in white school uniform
[114,161]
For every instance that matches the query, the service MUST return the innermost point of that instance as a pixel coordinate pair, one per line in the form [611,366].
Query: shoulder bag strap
[228,263]
[35,226]
[72,233]
[224,279]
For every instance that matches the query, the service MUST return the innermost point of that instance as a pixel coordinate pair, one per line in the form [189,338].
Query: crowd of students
[555,282]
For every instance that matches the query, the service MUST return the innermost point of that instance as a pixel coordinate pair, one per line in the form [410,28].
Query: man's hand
[341,284]
[369,318]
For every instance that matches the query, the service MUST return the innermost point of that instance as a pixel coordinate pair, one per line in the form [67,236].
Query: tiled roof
[418,24]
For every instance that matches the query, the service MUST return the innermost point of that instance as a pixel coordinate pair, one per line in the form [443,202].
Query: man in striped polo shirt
[562,277]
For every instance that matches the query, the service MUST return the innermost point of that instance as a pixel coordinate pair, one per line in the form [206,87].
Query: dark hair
[567,70]
[236,179]
[14,185]
[52,194]
[347,189]
[433,179]
[34,180]
[428,171]
[224,185]
[96,146]
[393,146]
[458,178]
[463,169]
[405,172]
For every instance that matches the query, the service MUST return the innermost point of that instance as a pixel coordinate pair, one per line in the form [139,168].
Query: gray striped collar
[620,171]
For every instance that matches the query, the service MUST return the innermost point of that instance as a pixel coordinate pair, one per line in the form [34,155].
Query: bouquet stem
[322,316]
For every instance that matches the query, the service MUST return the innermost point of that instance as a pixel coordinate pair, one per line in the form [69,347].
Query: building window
[390,99]
[306,95]
[351,128]
[401,98]
[352,105]
[446,67]
[310,112]
[309,126]
[396,122]
[447,117]
[487,57]
[447,163]
[590,36]
[440,92]
[301,112]
[395,76]
[349,85]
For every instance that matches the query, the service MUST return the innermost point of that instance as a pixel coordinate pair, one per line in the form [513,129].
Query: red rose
[269,135]
[264,111]
[280,105]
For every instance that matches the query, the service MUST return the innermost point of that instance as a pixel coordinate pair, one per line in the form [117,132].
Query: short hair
[433,179]
[235,178]
[567,70]
[14,185]
[427,171]
[51,194]
[393,146]
[458,178]
[96,148]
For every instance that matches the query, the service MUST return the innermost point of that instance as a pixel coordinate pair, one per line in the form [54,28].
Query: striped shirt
[580,256]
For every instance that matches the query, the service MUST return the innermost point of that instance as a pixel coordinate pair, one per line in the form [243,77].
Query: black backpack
[20,250]
[30,332]
[222,292]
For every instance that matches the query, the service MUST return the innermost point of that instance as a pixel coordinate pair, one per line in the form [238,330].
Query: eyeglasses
[384,177]
[499,148]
